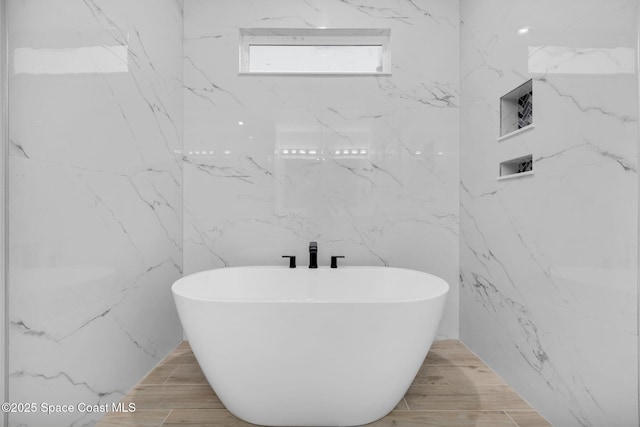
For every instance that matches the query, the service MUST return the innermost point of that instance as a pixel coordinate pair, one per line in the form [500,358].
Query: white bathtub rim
[178,287]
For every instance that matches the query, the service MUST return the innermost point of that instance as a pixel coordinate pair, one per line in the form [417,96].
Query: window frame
[313,37]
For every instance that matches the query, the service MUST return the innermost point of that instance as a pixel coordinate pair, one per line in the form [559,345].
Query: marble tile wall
[548,262]
[394,202]
[95,198]
[3,192]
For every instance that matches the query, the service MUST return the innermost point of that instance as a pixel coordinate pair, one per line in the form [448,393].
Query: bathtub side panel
[310,364]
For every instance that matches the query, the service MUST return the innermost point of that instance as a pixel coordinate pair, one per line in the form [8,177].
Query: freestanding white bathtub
[310,347]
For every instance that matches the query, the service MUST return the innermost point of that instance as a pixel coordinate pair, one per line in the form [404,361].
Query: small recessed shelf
[516,111]
[518,167]
[516,132]
[515,175]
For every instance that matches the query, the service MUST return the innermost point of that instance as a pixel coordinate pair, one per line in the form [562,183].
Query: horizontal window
[314,51]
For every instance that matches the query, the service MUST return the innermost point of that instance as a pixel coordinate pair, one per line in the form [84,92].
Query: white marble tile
[549,261]
[125,121]
[95,198]
[421,54]
[391,199]
[81,236]
[431,15]
[598,387]
[79,368]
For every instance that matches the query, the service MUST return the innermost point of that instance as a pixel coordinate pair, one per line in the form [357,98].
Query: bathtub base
[312,365]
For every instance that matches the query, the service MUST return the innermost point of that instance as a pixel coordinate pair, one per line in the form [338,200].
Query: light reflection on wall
[79,60]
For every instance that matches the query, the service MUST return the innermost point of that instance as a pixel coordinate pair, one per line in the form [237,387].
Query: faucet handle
[292,260]
[334,260]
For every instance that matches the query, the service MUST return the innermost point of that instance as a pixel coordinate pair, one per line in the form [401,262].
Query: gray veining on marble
[365,165]
[549,262]
[96,201]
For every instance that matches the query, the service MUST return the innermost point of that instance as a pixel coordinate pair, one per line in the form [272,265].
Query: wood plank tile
[141,417]
[429,375]
[223,418]
[451,352]
[444,419]
[159,374]
[184,345]
[464,398]
[181,357]
[469,375]
[174,397]
[182,354]
[453,388]
[203,418]
[528,419]
[187,374]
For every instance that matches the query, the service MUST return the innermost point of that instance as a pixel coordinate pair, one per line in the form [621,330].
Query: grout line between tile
[165,418]
[406,403]
[169,376]
[512,420]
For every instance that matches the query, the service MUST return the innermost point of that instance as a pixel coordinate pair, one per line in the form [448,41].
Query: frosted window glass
[315,59]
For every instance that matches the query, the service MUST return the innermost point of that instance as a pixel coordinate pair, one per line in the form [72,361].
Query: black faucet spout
[313,255]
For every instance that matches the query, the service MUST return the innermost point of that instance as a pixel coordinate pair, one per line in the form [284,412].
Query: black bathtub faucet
[292,260]
[334,260]
[313,255]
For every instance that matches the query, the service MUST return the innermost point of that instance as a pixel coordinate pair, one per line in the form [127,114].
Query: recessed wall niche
[516,109]
[521,166]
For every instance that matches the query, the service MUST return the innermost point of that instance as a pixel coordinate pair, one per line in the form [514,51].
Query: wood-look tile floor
[454,388]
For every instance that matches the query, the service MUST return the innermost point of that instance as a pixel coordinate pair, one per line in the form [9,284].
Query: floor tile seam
[512,420]
[165,418]
[154,369]
[472,383]
[169,376]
